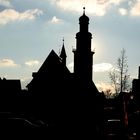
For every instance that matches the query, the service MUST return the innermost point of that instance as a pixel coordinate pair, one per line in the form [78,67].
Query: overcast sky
[30,29]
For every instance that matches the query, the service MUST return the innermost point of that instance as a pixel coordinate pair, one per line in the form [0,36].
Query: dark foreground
[19,122]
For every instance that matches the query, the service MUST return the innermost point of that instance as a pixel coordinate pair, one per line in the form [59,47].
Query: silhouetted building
[136,90]
[83,60]
[136,83]
[54,74]
[14,86]
[9,92]
[50,75]
[134,107]
[70,100]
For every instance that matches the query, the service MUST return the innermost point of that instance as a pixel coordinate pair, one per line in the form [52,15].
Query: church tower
[63,55]
[83,54]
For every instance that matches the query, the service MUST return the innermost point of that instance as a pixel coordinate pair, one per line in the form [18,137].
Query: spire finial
[84,10]
[63,41]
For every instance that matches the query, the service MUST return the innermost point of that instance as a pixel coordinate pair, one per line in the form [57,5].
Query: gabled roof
[52,66]
[50,61]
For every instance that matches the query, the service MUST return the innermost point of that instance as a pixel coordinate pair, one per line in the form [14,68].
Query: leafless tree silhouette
[119,76]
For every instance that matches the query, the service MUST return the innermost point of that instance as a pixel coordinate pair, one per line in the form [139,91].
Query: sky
[30,29]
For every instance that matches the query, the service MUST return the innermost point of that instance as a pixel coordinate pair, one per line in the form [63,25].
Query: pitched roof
[50,61]
[52,66]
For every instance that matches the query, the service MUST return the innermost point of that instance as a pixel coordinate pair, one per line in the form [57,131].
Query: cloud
[56,20]
[116,2]
[102,67]
[5,3]
[10,15]
[7,63]
[101,86]
[31,63]
[97,7]
[135,10]
[123,11]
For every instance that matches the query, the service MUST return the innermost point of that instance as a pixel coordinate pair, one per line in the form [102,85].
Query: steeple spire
[84,10]
[84,21]
[83,54]
[63,41]
[63,53]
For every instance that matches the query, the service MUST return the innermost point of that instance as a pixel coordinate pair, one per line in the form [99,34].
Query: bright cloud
[104,86]
[5,3]
[56,20]
[10,15]
[123,11]
[135,10]
[102,67]
[7,63]
[31,63]
[97,7]
[116,2]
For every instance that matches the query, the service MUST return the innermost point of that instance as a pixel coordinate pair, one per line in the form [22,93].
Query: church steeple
[84,10]
[83,21]
[82,53]
[63,54]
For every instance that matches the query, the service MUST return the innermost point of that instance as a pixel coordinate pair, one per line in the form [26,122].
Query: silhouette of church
[54,69]
[70,99]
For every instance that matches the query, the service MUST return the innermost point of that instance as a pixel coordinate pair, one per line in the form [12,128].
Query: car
[10,120]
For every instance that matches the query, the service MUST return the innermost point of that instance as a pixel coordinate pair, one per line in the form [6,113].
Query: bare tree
[113,75]
[119,76]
